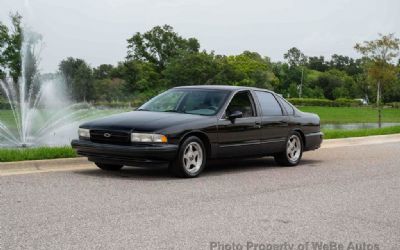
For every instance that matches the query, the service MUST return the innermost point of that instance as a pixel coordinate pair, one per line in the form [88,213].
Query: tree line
[160,59]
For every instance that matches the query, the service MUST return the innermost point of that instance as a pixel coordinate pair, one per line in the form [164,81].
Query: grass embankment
[353,114]
[334,134]
[25,154]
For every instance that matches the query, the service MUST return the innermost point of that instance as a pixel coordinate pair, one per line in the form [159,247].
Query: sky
[96,30]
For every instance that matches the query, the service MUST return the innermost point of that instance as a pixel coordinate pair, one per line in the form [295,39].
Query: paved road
[347,195]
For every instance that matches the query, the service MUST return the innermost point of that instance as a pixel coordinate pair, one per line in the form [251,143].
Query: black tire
[108,167]
[284,158]
[179,167]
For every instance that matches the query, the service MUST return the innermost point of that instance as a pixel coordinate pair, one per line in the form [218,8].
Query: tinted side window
[241,102]
[287,106]
[269,105]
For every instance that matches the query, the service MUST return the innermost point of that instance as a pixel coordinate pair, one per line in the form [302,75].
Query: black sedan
[186,126]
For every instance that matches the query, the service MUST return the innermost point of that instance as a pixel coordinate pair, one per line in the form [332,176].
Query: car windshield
[189,101]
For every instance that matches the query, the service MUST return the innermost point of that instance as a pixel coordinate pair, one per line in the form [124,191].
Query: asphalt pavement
[340,196]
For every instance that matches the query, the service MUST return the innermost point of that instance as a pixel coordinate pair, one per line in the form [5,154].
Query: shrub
[341,102]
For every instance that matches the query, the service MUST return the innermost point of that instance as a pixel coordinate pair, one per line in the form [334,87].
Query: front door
[241,136]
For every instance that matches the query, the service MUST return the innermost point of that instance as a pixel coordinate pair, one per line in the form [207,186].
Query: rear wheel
[108,167]
[293,152]
[191,158]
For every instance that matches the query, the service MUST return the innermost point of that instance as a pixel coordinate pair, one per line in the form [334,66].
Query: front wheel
[191,158]
[293,152]
[108,167]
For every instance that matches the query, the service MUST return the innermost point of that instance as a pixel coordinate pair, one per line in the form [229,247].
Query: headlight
[84,132]
[140,137]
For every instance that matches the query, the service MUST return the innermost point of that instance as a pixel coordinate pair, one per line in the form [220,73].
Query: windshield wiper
[142,110]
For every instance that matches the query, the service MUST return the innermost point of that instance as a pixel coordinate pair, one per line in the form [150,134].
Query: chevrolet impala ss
[185,127]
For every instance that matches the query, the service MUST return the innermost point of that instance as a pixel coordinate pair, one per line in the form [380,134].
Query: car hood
[143,121]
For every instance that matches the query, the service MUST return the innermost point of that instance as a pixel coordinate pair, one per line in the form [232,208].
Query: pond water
[352,126]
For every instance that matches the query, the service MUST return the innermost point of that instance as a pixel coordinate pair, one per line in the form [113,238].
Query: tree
[191,69]
[10,47]
[19,54]
[317,63]
[78,76]
[247,69]
[295,57]
[103,71]
[139,76]
[159,45]
[347,64]
[381,53]
[328,82]
[109,89]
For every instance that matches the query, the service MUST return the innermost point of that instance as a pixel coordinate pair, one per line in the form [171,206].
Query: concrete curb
[43,164]
[66,164]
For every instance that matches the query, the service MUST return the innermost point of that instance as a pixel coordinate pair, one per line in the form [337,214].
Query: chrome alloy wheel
[293,148]
[192,157]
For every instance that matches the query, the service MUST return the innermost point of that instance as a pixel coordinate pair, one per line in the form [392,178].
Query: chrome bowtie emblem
[107,135]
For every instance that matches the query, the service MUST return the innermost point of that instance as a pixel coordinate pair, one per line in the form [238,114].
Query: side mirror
[236,114]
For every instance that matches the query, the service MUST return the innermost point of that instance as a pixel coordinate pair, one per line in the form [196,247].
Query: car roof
[224,87]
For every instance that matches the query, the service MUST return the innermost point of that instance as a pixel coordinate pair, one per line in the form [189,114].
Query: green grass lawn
[353,114]
[333,134]
[327,114]
[25,154]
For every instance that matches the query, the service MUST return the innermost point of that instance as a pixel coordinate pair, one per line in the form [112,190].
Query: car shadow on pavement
[227,166]
[214,168]
[151,174]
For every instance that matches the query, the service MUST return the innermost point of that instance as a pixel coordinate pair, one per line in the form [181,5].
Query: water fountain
[40,112]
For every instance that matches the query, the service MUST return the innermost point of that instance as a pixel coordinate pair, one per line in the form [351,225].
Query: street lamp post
[301,82]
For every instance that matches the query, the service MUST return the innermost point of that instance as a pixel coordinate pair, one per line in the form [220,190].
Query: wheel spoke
[192,157]
[293,149]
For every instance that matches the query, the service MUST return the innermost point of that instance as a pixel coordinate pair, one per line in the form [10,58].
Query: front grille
[111,137]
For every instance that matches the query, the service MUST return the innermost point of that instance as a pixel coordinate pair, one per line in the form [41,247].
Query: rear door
[274,122]
[240,137]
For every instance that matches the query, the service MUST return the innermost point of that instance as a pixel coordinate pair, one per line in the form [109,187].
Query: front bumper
[130,155]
